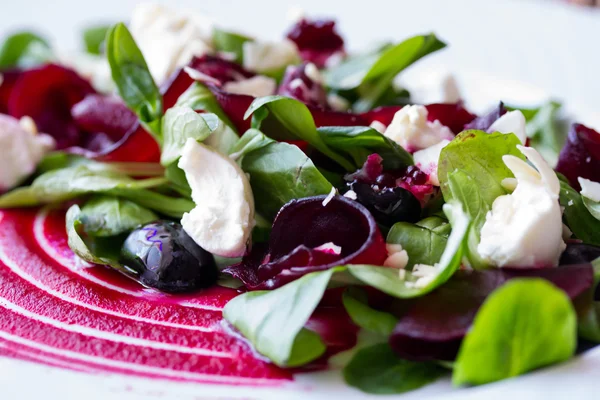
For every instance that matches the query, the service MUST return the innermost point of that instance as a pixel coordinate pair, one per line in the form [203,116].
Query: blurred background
[519,51]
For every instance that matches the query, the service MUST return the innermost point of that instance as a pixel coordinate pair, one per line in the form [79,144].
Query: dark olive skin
[162,256]
[579,253]
[388,205]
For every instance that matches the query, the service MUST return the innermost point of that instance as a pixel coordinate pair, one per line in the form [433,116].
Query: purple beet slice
[580,157]
[301,226]
[484,122]
[103,114]
[317,40]
[9,79]
[434,325]
[47,94]
[298,85]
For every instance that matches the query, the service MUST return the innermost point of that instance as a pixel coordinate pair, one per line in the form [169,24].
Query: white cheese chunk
[524,229]
[269,56]
[590,189]
[435,87]
[22,149]
[378,126]
[257,86]
[222,221]
[511,122]
[169,38]
[427,160]
[411,130]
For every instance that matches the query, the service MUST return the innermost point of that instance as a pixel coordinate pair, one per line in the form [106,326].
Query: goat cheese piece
[257,86]
[524,229]
[222,221]
[22,149]
[590,189]
[427,160]
[411,129]
[511,122]
[269,56]
[169,38]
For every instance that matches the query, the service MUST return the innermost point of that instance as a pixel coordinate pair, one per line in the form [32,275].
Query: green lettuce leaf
[523,325]
[378,370]
[93,38]
[133,79]
[24,50]
[577,216]
[230,42]
[179,125]
[199,98]
[379,322]
[423,245]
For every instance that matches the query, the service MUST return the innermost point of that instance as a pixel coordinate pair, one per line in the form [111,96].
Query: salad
[299,175]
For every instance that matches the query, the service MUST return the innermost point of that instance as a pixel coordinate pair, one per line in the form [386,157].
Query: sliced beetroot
[235,106]
[47,94]
[434,325]
[301,226]
[384,114]
[103,114]
[219,69]
[299,85]
[580,157]
[8,81]
[324,117]
[484,122]
[454,116]
[316,40]
[174,87]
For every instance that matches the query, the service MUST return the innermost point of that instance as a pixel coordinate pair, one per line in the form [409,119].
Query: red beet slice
[484,122]
[300,227]
[47,94]
[337,118]
[316,40]
[434,325]
[103,114]
[9,78]
[298,85]
[235,106]
[580,157]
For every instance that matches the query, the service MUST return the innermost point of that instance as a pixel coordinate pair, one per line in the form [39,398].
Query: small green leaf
[380,322]
[378,370]
[111,216]
[592,206]
[523,325]
[93,38]
[230,42]
[388,279]
[372,75]
[588,309]
[24,50]
[358,142]
[132,77]
[273,320]
[423,245]
[279,172]
[577,216]
[290,119]
[179,125]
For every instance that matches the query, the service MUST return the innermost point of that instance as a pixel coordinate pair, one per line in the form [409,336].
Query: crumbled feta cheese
[351,194]
[169,38]
[330,248]
[397,256]
[435,88]
[427,160]
[257,86]
[511,122]
[337,102]
[269,56]
[329,197]
[524,229]
[411,130]
[590,189]
[222,221]
[378,126]
[22,149]
[425,273]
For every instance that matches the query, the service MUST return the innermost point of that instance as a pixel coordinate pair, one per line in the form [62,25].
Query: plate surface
[519,52]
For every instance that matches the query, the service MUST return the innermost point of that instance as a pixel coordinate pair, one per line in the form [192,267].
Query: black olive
[162,256]
[579,253]
[388,205]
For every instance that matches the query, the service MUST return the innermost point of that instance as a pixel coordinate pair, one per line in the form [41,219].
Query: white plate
[522,53]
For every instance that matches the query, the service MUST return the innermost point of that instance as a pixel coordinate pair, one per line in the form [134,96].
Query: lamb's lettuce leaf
[199,98]
[133,79]
[94,37]
[577,216]
[358,142]
[179,125]
[523,325]
[423,245]
[290,119]
[376,369]
[24,50]
[357,307]
[230,42]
